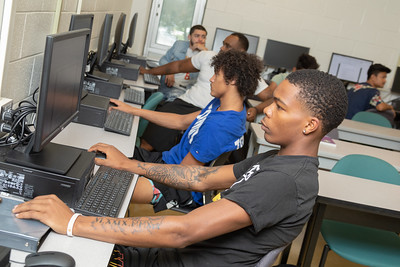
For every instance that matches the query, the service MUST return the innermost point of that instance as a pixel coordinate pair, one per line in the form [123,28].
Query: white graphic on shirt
[240,142]
[200,120]
[248,174]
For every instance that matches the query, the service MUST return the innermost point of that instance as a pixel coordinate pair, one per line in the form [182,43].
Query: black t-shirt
[278,193]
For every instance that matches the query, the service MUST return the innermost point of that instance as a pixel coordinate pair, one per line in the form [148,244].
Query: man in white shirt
[196,98]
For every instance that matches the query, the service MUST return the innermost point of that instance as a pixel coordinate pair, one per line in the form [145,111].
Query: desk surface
[354,200]
[330,154]
[96,253]
[369,134]
[140,83]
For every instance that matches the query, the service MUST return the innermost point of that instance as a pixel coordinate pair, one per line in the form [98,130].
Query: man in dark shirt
[267,201]
[366,96]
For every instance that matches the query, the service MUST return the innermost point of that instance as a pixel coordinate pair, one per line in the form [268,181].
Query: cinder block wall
[32,21]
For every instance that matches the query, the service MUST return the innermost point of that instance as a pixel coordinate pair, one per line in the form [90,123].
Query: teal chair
[151,104]
[359,244]
[372,118]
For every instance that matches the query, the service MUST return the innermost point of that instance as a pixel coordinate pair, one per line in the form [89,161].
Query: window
[170,20]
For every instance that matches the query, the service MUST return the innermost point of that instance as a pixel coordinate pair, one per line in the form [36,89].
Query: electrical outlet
[5,103]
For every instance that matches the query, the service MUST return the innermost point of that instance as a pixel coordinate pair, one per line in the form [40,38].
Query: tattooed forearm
[178,176]
[128,225]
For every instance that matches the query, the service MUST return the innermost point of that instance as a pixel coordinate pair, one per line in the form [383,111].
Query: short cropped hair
[323,95]
[306,61]
[244,43]
[374,69]
[245,69]
[197,27]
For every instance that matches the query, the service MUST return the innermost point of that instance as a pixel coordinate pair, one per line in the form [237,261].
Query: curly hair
[306,61]
[323,94]
[245,69]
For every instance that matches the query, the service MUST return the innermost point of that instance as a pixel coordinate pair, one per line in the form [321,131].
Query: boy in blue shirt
[216,129]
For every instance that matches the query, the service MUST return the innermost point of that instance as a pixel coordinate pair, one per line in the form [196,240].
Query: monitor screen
[81,21]
[132,30]
[221,34]
[350,69]
[282,55]
[119,32]
[58,103]
[104,40]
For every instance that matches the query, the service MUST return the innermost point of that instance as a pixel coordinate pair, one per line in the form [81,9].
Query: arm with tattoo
[195,178]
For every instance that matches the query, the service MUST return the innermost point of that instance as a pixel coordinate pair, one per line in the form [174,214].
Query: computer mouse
[49,258]
[100,155]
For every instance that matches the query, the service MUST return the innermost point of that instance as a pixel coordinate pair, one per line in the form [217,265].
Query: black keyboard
[135,96]
[152,79]
[105,193]
[119,122]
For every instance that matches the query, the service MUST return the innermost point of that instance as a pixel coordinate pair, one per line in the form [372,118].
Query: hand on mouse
[115,159]
[48,209]
[116,104]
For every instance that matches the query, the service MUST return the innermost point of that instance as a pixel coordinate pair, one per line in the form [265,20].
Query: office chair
[360,244]
[151,104]
[372,118]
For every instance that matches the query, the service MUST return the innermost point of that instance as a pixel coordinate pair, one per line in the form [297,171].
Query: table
[369,134]
[96,253]
[140,83]
[328,154]
[353,200]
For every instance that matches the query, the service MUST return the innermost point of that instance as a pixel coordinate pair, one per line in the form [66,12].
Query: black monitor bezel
[132,30]
[37,140]
[216,47]
[345,80]
[289,67]
[104,40]
[119,33]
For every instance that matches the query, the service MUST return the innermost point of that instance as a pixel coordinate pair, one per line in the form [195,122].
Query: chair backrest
[372,118]
[367,167]
[270,258]
[151,104]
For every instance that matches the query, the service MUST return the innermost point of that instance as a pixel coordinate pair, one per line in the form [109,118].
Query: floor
[332,260]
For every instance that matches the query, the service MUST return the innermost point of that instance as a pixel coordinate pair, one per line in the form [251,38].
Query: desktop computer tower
[103,84]
[133,59]
[121,69]
[29,182]
[93,110]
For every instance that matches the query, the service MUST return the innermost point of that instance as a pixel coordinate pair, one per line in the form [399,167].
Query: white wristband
[71,224]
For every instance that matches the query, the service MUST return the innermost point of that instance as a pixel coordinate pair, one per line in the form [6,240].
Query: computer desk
[86,252]
[353,200]
[140,83]
[328,154]
[359,132]
[369,134]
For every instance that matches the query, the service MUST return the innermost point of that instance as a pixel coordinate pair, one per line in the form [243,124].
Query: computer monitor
[131,35]
[104,40]
[221,34]
[83,21]
[349,69]
[119,33]
[58,103]
[282,55]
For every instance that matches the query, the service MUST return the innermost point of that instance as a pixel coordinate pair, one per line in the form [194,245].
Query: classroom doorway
[170,20]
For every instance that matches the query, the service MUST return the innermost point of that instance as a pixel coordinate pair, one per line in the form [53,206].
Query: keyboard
[135,96]
[119,122]
[151,64]
[105,192]
[152,79]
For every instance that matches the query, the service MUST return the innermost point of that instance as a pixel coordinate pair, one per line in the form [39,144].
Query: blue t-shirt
[211,134]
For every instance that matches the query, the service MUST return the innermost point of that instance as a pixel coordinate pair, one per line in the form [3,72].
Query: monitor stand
[54,158]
